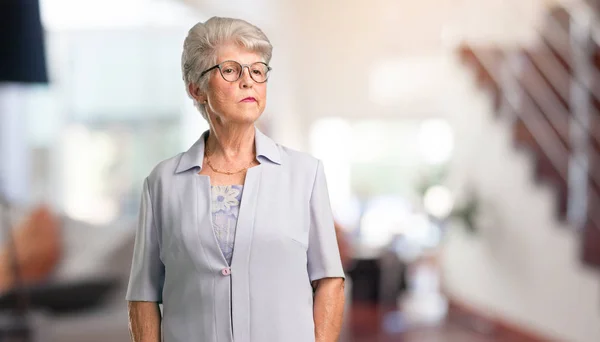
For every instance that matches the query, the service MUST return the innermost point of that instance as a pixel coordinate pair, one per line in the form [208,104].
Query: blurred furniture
[83,299]
[30,251]
[377,285]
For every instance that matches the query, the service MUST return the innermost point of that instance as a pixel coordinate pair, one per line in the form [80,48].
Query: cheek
[224,95]
[262,92]
[221,90]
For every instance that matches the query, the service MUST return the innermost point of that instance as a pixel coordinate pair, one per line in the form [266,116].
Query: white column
[14,150]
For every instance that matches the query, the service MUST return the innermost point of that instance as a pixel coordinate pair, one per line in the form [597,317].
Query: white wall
[524,264]
[329,49]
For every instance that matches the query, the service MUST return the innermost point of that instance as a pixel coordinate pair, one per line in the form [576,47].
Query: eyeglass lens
[232,71]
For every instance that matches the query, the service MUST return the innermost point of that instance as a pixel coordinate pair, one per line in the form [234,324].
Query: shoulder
[300,161]
[164,170]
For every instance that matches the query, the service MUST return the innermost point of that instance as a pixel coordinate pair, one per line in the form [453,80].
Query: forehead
[234,52]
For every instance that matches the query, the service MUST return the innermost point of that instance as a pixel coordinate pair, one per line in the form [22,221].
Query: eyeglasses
[231,71]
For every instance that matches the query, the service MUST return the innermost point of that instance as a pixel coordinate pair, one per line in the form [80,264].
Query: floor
[363,325]
[424,317]
[447,333]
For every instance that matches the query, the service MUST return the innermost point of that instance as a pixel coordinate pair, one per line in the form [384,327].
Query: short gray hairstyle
[203,40]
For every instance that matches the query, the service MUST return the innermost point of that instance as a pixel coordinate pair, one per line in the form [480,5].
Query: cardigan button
[226,271]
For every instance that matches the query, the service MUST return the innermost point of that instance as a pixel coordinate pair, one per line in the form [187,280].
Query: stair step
[590,245]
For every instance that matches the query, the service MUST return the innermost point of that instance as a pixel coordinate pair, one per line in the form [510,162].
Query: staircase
[550,94]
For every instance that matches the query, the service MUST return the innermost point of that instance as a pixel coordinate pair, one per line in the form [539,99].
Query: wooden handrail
[542,132]
[552,42]
[552,109]
[545,99]
[558,153]
[555,71]
[571,45]
[554,112]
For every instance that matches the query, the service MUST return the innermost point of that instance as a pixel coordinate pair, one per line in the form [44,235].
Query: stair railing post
[579,121]
[511,66]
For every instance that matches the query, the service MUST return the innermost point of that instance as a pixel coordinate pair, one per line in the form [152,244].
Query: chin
[251,115]
[240,115]
[247,117]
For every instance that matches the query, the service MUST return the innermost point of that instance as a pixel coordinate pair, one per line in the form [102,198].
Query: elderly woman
[236,237]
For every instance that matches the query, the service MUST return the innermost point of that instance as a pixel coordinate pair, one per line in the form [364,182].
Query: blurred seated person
[38,249]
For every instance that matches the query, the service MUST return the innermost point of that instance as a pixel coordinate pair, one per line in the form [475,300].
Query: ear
[196,93]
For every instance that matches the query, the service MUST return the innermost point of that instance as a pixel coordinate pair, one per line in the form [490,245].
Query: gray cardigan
[285,239]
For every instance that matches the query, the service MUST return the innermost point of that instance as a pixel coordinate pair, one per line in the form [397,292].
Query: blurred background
[460,138]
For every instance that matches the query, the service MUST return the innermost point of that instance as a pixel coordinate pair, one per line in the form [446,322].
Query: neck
[232,142]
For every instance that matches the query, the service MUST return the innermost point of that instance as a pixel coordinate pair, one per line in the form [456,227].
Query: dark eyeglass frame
[218,66]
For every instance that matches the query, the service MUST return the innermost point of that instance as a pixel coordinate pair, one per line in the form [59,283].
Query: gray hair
[203,40]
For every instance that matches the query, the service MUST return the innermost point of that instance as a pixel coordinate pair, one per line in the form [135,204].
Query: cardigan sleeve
[323,253]
[147,270]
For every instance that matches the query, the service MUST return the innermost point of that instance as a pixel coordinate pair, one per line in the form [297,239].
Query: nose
[245,80]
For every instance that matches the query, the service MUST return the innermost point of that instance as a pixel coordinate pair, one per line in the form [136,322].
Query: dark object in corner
[22,50]
[62,297]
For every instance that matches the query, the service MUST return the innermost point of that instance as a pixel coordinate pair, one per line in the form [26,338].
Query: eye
[228,71]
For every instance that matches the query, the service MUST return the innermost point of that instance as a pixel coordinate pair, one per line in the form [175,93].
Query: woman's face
[242,101]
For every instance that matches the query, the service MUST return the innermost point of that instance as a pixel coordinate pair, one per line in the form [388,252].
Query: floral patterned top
[225,208]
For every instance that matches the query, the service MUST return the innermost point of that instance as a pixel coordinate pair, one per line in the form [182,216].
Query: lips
[249,99]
